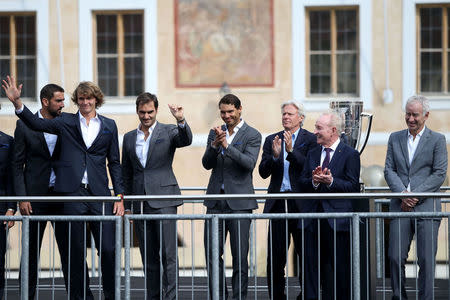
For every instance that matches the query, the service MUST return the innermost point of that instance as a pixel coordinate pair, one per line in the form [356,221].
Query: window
[332,51]
[119,61]
[18,50]
[433,50]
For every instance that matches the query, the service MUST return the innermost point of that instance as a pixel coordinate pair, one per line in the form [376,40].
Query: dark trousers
[104,237]
[334,261]
[155,236]
[239,242]
[278,241]
[37,230]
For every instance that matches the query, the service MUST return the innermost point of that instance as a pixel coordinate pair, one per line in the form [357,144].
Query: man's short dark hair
[88,89]
[230,99]
[49,90]
[145,98]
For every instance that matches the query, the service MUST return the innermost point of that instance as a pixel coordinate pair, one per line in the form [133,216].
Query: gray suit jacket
[157,178]
[425,174]
[234,167]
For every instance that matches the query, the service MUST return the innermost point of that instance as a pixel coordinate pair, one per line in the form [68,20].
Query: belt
[84,186]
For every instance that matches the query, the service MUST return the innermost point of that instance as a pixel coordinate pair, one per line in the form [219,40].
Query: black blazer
[75,157]
[275,168]
[345,167]
[6,182]
[32,162]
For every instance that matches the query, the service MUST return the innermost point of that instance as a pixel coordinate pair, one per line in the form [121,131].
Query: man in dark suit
[416,161]
[283,158]
[6,208]
[231,152]
[87,140]
[35,152]
[147,156]
[330,167]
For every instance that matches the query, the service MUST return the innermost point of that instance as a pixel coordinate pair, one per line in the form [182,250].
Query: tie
[326,161]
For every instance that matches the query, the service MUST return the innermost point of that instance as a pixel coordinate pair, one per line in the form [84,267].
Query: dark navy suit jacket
[75,157]
[345,168]
[275,168]
[6,182]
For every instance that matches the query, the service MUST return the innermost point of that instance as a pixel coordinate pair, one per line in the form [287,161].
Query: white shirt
[89,133]
[50,139]
[412,147]
[286,182]
[324,153]
[142,145]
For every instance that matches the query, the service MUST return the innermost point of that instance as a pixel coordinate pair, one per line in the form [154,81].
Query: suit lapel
[240,133]
[404,146]
[41,139]
[100,132]
[133,149]
[80,133]
[315,156]
[153,139]
[422,142]
[336,156]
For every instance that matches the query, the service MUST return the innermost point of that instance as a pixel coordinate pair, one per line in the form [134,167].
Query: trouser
[155,236]
[278,241]
[401,232]
[104,237]
[239,242]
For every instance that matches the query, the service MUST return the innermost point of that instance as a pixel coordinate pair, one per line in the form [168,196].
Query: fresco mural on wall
[224,41]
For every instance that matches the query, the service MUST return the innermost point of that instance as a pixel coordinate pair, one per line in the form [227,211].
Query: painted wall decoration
[220,41]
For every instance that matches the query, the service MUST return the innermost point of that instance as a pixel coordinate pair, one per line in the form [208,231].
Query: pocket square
[237,143]
[4,146]
[106,131]
[301,145]
[159,141]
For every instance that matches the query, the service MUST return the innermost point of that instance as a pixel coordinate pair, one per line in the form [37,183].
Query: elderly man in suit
[6,208]
[283,157]
[35,152]
[147,156]
[87,140]
[330,167]
[416,161]
[231,152]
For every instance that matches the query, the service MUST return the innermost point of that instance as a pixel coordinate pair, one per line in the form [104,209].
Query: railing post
[127,258]
[25,258]
[118,256]
[356,258]
[215,256]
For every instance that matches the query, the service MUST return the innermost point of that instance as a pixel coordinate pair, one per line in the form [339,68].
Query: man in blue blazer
[6,208]
[283,157]
[330,167]
[416,161]
[34,155]
[147,156]
[87,141]
[231,152]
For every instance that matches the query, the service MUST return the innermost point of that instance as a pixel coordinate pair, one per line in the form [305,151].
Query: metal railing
[215,218]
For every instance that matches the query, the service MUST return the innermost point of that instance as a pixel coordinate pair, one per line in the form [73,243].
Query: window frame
[40,9]
[333,52]
[121,55]
[87,10]
[410,54]
[299,52]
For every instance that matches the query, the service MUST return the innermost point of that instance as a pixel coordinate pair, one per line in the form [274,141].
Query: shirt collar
[150,129]
[84,119]
[334,146]
[419,134]
[238,126]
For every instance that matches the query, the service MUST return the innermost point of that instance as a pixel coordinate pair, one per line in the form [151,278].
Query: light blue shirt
[286,183]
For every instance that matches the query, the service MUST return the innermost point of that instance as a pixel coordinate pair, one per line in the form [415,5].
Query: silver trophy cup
[352,115]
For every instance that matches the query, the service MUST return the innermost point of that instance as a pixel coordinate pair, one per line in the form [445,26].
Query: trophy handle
[369,127]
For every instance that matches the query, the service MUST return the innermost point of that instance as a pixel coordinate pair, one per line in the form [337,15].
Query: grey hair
[419,99]
[298,106]
[336,120]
